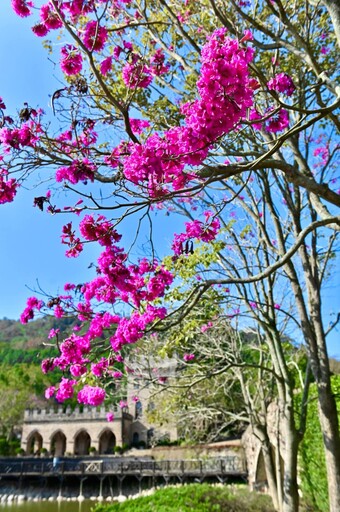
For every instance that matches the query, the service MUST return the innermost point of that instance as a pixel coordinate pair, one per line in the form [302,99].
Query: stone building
[63,431]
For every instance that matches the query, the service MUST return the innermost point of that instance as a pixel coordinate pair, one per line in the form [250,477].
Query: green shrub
[4,446]
[194,498]
[312,457]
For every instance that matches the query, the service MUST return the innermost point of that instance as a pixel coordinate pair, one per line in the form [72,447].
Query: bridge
[112,476]
[221,468]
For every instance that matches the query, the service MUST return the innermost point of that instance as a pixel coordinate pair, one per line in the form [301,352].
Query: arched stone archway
[58,444]
[107,442]
[135,439]
[82,443]
[34,443]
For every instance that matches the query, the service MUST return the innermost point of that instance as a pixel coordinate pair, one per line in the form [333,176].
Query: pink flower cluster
[139,284]
[99,229]
[138,125]
[8,187]
[157,63]
[78,170]
[95,36]
[205,231]
[64,391]
[110,416]
[282,83]
[17,138]
[136,75]
[71,62]
[32,304]
[69,238]
[188,357]
[278,122]
[91,395]
[226,92]
[22,7]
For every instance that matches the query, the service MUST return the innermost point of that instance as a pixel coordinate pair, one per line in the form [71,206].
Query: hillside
[22,383]
[33,334]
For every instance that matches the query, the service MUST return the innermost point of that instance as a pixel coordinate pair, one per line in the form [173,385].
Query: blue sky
[30,240]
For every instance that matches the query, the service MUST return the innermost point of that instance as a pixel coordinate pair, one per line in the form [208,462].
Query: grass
[193,498]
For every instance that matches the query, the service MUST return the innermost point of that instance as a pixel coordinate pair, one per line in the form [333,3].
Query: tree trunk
[333,7]
[262,435]
[291,441]
[328,413]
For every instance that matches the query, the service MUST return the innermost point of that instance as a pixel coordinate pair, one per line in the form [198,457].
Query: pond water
[48,506]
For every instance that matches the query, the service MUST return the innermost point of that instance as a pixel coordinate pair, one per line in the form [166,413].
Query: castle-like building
[79,431]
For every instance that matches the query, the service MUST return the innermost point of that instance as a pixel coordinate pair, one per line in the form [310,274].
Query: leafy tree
[258,91]
[21,386]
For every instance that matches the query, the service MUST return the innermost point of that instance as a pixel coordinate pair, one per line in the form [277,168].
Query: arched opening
[34,443]
[58,444]
[107,442]
[82,443]
[135,439]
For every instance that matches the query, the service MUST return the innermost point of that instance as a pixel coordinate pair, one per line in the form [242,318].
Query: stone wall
[74,432]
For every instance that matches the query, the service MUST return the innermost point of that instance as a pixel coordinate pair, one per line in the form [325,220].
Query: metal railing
[231,465]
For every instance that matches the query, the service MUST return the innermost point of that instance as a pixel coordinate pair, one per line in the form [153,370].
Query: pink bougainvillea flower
[76,370]
[110,416]
[278,122]
[207,326]
[49,392]
[136,75]
[105,66]
[40,30]
[157,63]
[53,333]
[78,170]
[8,187]
[188,357]
[47,365]
[65,390]
[32,304]
[22,7]
[91,395]
[138,125]
[205,231]
[282,83]
[49,17]
[71,62]
[253,116]
[95,36]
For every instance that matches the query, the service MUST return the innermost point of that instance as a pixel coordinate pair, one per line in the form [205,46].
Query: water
[48,506]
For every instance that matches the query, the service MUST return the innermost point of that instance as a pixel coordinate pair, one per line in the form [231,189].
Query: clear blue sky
[30,241]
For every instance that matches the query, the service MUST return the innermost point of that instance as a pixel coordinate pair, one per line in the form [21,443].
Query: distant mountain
[34,334]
